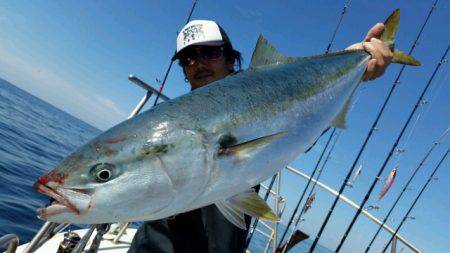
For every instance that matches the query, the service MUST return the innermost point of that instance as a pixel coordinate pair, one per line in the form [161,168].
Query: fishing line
[337,135]
[291,219]
[303,209]
[161,87]
[426,105]
[344,10]
[415,201]
[435,144]
[391,152]
[372,129]
[310,193]
[437,91]
[399,151]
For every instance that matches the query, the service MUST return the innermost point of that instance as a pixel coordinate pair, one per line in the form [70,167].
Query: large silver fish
[212,145]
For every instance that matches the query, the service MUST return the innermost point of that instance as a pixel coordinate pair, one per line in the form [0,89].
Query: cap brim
[201,43]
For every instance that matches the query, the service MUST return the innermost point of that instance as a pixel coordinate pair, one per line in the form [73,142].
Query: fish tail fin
[388,36]
[404,58]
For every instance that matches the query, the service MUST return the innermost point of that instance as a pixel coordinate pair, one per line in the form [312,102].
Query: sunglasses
[205,53]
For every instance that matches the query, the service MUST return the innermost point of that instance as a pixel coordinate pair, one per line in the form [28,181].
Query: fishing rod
[255,223]
[318,177]
[391,152]
[303,209]
[344,10]
[369,135]
[161,87]
[291,219]
[415,201]
[435,144]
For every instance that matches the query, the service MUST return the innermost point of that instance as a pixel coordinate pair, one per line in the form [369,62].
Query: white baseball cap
[201,32]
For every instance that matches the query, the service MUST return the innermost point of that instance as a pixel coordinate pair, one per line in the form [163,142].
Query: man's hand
[381,54]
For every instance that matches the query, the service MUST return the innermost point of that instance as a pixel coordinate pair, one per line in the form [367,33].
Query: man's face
[204,64]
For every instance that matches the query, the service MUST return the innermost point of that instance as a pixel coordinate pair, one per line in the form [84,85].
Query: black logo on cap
[192,33]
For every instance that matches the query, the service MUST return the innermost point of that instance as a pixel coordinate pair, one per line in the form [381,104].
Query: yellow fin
[252,204]
[243,150]
[388,36]
[404,58]
[390,28]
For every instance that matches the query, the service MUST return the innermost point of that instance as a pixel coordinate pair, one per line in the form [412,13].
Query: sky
[78,55]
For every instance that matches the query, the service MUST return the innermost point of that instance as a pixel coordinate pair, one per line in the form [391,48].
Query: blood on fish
[52,176]
[98,147]
[109,151]
[116,139]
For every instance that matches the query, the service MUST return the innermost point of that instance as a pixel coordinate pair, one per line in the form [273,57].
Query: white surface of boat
[107,243]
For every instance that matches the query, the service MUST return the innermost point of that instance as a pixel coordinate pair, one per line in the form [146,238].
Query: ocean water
[35,136]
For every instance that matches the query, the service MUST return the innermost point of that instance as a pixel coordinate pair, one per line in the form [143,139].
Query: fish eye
[102,172]
[103,175]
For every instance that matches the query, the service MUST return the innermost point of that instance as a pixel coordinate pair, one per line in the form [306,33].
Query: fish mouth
[66,200]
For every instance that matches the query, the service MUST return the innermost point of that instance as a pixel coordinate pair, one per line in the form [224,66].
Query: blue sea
[35,136]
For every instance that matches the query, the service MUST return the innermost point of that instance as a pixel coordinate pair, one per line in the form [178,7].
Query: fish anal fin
[232,214]
[244,150]
[339,120]
[250,203]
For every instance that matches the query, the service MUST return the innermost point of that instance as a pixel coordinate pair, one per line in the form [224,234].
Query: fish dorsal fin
[248,202]
[339,121]
[246,149]
[265,54]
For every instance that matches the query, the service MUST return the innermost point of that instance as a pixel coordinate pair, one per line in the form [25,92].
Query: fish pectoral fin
[232,214]
[250,203]
[339,121]
[244,150]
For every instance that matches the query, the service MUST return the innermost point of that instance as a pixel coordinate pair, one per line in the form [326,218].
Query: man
[206,55]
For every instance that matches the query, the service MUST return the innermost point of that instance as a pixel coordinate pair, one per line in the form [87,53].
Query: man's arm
[381,54]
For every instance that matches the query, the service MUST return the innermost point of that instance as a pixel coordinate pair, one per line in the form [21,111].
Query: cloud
[86,105]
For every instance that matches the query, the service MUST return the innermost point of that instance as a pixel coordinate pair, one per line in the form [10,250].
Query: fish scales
[211,145]
[299,98]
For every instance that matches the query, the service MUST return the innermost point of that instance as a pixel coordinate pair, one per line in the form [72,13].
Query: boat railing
[270,229]
[364,212]
[9,241]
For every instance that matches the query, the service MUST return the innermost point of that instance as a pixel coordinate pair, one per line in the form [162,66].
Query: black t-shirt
[199,231]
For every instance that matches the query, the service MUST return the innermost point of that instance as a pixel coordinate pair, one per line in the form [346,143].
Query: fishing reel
[71,239]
